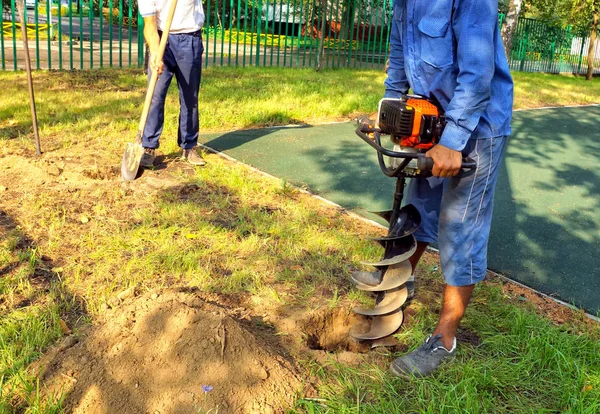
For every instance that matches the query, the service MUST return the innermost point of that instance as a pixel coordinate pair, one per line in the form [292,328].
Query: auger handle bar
[425,164]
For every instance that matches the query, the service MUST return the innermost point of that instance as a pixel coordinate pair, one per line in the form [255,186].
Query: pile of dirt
[170,352]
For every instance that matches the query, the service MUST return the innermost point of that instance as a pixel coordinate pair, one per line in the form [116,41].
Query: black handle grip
[426,164]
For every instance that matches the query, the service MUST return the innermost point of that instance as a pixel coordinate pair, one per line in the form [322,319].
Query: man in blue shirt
[451,51]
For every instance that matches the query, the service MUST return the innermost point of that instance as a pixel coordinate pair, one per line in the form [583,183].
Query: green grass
[524,364]
[232,98]
[533,90]
[228,230]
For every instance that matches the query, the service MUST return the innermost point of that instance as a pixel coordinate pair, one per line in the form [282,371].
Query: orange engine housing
[414,122]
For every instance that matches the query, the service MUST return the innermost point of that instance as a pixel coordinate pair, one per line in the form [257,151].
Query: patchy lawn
[154,291]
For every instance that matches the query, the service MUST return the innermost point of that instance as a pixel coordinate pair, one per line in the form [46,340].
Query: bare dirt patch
[161,353]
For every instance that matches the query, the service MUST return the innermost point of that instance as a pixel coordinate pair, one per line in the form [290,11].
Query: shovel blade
[131,161]
[381,326]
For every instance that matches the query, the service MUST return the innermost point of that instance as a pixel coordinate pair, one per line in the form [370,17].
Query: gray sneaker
[148,158]
[192,156]
[423,360]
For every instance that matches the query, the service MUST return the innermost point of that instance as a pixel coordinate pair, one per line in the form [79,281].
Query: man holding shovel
[182,59]
[451,52]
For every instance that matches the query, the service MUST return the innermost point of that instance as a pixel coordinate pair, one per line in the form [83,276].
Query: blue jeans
[182,58]
[457,212]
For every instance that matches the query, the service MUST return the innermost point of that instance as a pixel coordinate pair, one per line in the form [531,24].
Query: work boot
[148,158]
[424,360]
[191,156]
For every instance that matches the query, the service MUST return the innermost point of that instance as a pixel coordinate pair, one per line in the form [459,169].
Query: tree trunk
[592,48]
[510,24]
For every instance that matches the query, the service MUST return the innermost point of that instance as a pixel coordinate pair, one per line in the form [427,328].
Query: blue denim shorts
[457,212]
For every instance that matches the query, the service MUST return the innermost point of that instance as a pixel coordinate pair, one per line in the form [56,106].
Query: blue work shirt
[451,50]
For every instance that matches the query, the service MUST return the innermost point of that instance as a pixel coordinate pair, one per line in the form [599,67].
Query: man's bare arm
[153,40]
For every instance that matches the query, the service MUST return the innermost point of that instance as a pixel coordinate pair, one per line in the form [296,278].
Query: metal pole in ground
[21,7]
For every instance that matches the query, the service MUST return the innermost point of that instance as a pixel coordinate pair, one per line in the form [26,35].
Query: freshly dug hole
[327,330]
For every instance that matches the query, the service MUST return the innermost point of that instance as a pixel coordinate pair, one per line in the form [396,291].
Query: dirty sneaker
[148,158]
[423,360]
[193,157]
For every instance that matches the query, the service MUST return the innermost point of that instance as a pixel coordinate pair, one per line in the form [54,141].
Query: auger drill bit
[381,326]
[396,251]
[407,221]
[394,276]
[391,301]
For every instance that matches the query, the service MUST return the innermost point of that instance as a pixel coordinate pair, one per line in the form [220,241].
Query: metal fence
[539,47]
[82,34]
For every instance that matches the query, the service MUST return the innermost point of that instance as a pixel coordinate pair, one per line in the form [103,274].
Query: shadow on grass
[44,292]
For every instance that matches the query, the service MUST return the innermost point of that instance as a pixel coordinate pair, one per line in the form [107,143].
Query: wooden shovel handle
[152,84]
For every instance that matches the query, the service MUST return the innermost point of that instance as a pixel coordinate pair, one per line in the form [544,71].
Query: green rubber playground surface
[546,229]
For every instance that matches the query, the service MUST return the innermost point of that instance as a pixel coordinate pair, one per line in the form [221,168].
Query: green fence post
[237,34]
[129,30]
[50,31]
[80,3]
[70,34]
[279,29]
[120,33]
[206,30]
[341,35]
[60,57]
[14,32]
[351,34]
[229,27]
[91,20]
[583,38]
[100,16]
[2,42]
[551,60]
[215,27]
[304,19]
[37,35]
[524,48]
[272,30]
[110,33]
[245,34]
[328,30]
[251,61]
[222,31]
[258,26]
[314,40]
[287,30]
[389,30]
[141,42]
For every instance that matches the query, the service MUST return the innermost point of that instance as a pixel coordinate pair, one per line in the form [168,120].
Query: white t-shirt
[188,18]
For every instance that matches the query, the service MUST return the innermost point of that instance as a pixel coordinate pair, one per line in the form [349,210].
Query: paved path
[546,230]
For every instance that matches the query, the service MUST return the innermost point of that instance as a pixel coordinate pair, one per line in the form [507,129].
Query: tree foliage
[577,13]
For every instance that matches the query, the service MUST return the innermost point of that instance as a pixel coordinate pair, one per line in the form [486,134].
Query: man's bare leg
[456,299]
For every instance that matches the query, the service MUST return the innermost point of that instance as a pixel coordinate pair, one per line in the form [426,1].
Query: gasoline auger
[414,125]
